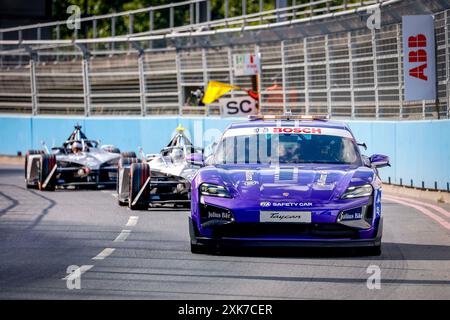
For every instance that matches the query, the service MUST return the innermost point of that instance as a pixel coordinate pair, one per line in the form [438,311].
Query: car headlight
[357,192]
[214,190]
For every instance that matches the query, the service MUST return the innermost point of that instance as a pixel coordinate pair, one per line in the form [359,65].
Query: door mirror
[379,161]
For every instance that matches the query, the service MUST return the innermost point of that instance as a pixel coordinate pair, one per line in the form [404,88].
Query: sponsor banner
[237,107]
[285,216]
[287,130]
[285,204]
[419,65]
[246,64]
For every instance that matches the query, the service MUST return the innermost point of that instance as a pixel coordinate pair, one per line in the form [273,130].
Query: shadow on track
[390,251]
[16,203]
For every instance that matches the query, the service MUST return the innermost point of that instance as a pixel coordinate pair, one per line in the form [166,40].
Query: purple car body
[299,200]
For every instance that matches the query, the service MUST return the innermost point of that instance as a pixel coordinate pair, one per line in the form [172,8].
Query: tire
[130,154]
[123,162]
[139,173]
[198,249]
[112,150]
[375,251]
[47,163]
[372,251]
[122,203]
[30,152]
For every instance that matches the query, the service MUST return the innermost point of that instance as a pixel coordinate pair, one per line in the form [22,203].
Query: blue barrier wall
[419,150]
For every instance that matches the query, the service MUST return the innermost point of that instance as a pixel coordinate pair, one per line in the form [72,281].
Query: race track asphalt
[146,255]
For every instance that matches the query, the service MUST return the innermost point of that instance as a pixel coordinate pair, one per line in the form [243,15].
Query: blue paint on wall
[419,150]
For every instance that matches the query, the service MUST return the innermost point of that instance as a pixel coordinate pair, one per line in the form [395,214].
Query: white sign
[246,64]
[419,65]
[237,107]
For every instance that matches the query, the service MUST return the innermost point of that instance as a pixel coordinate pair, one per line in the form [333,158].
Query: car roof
[305,123]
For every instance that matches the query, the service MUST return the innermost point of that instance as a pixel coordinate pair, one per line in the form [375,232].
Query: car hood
[92,159]
[292,182]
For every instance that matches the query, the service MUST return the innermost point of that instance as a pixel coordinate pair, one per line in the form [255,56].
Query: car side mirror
[363,145]
[379,161]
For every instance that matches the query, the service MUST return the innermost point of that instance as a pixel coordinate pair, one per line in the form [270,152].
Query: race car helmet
[77,147]
[176,154]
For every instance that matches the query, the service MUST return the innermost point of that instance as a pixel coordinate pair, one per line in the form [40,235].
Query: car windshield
[287,148]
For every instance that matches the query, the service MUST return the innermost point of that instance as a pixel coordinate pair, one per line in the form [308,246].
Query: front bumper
[247,242]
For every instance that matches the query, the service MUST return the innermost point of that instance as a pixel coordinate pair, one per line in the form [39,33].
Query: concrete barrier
[419,150]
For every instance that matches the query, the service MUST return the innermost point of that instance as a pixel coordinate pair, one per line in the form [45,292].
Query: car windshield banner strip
[288,130]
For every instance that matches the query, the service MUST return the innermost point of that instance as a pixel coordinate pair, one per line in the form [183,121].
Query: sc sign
[237,107]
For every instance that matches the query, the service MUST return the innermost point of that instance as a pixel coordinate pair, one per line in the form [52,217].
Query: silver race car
[78,162]
[160,178]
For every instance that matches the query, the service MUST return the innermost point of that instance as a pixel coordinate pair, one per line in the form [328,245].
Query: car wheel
[130,154]
[199,249]
[47,163]
[122,203]
[29,152]
[139,173]
[372,251]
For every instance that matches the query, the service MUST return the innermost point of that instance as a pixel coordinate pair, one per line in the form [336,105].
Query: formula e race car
[287,181]
[163,178]
[78,162]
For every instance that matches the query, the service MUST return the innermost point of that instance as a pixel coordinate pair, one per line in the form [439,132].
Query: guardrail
[419,150]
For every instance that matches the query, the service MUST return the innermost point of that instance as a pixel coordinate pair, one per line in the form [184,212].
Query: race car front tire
[124,162]
[199,249]
[47,163]
[139,173]
[30,152]
[130,154]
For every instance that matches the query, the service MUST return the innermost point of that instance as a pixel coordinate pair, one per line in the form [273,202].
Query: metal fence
[352,73]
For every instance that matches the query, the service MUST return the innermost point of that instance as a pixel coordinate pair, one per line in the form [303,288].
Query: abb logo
[298,130]
[418,56]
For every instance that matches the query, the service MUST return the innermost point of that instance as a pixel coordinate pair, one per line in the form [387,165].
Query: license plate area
[285,216]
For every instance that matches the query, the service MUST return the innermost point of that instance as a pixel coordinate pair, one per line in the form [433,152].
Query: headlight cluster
[214,190]
[357,191]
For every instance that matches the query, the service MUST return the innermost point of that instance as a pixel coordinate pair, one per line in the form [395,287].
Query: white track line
[132,221]
[80,270]
[429,205]
[105,253]
[425,211]
[122,236]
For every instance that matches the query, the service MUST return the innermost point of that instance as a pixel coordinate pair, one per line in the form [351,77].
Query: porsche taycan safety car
[78,162]
[163,178]
[287,181]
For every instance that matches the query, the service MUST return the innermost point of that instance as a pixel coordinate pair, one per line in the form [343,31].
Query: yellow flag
[215,90]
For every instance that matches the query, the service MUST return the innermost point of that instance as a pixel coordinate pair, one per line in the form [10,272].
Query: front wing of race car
[78,176]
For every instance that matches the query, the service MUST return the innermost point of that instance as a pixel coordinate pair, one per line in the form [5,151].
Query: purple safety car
[287,181]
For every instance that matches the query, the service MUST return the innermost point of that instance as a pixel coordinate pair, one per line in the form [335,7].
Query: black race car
[78,162]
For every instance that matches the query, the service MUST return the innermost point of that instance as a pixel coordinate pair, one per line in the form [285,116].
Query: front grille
[257,230]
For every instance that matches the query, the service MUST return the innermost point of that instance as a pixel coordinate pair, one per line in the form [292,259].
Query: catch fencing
[352,73]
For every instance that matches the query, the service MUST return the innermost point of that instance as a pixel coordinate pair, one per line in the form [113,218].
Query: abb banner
[419,65]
